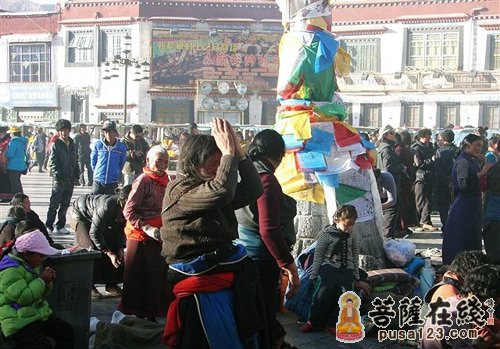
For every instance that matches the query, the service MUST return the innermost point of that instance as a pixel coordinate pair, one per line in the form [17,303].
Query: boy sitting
[25,316]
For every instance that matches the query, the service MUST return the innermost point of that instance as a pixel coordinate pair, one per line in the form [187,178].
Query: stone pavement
[38,187]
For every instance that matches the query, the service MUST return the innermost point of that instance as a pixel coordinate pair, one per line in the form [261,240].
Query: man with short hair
[445,157]
[64,170]
[193,128]
[388,161]
[82,141]
[424,181]
[137,148]
[107,160]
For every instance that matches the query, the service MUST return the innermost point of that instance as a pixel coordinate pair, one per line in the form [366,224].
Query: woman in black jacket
[98,223]
[32,218]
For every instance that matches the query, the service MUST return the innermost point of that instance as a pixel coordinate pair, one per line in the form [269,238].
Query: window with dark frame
[348,112]
[111,44]
[364,54]
[269,113]
[80,47]
[172,111]
[412,114]
[494,52]
[490,115]
[449,113]
[434,49]
[29,62]
[371,115]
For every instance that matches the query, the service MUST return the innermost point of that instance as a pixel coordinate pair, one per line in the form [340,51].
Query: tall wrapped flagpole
[326,162]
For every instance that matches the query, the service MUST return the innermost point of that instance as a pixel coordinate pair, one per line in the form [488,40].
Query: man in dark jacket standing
[137,148]
[388,161]
[82,142]
[64,170]
[424,180]
[445,157]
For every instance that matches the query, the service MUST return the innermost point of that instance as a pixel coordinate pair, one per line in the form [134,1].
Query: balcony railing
[420,81]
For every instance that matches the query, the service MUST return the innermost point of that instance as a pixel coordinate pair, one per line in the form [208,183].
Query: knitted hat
[35,242]
[384,130]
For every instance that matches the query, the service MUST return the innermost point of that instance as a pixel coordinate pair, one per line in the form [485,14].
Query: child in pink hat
[26,319]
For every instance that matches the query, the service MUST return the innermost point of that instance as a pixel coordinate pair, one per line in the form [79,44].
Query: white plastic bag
[400,252]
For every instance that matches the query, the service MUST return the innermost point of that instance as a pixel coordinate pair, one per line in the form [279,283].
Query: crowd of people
[208,248]
[460,183]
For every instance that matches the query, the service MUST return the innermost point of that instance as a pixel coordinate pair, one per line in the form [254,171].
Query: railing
[424,81]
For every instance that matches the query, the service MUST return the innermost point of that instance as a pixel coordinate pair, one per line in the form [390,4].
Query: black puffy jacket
[104,215]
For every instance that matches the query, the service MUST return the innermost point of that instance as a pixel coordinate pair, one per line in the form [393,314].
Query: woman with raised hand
[199,226]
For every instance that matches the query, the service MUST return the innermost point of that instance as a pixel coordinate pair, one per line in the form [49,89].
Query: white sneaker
[63,231]
[117,317]
[93,325]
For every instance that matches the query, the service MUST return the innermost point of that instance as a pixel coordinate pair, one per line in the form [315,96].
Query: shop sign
[21,95]
[182,58]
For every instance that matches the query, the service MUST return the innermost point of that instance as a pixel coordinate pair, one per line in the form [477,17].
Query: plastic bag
[400,252]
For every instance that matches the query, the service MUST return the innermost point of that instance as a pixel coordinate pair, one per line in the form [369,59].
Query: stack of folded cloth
[393,282]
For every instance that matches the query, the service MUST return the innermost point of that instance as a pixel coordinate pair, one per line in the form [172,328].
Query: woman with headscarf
[266,228]
[199,226]
[145,288]
[462,231]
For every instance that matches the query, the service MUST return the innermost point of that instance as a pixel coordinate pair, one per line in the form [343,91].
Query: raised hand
[222,133]
[48,275]
[237,148]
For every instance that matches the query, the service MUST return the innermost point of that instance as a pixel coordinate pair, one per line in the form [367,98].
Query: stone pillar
[310,220]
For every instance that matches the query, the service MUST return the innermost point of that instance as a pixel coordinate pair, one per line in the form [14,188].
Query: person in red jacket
[266,229]
[145,287]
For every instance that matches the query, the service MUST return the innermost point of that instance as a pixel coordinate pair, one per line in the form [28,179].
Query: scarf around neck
[160,179]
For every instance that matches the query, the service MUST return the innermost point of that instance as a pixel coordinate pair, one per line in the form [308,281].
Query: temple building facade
[414,63]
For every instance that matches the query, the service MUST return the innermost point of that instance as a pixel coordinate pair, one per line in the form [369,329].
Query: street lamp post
[142,70]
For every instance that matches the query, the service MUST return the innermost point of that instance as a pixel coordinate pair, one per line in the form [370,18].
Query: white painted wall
[430,114]
[469,113]
[391,114]
[255,110]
